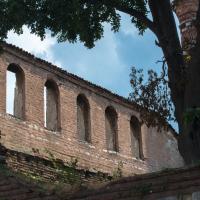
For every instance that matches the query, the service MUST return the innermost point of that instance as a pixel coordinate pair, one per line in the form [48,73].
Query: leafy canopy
[68,20]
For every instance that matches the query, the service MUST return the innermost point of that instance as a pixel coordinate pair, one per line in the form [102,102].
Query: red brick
[159,148]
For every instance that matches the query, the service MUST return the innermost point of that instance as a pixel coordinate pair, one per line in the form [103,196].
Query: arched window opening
[15,89]
[136,137]
[83,118]
[111,129]
[51,106]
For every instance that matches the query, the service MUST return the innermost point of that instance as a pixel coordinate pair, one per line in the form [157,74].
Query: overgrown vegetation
[24,177]
[117,173]
[66,173]
[70,174]
[68,179]
[64,178]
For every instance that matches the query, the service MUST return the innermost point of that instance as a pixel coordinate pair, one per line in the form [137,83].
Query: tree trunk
[189,139]
[167,35]
[184,78]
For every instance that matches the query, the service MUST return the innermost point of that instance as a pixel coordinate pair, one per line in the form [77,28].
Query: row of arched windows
[16,92]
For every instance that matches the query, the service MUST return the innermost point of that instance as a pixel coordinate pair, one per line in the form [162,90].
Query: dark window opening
[136,137]
[83,118]
[111,129]
[51,106]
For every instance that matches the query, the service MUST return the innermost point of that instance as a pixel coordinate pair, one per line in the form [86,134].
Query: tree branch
[169,42]
[122,7]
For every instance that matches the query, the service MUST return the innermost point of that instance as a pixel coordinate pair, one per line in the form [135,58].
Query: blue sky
[108,64]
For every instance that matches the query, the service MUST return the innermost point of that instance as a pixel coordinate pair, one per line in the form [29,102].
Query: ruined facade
[60,113]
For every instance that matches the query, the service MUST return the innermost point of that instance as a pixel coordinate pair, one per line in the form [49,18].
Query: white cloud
[100,65]
[127,27]
[34,45]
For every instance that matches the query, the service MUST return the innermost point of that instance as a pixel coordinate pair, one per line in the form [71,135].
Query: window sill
[111,152]
[14,117]
[87,144]
[139,159]
[115,153]
[52,131]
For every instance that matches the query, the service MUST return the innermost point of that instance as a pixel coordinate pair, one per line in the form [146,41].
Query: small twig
[163,61]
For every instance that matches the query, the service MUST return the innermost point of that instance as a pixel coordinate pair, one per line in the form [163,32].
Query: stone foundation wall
[51,170]
[169,184]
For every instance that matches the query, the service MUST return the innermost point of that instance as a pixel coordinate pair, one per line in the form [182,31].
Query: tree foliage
[153,96]
[68,20]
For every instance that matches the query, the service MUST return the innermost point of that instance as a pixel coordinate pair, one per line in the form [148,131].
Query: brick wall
[186,11]
[173,184]
[29,135]
[50,171]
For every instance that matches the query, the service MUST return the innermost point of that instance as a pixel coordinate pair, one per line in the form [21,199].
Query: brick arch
[136,137]
[83,118]
[111,128]
[15,68]
[19,90]
[52,105]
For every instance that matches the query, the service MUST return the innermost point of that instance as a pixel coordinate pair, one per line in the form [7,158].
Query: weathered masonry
[55,111]
[174,184]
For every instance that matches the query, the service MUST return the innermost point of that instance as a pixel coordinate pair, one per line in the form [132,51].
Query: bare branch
[163,61]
